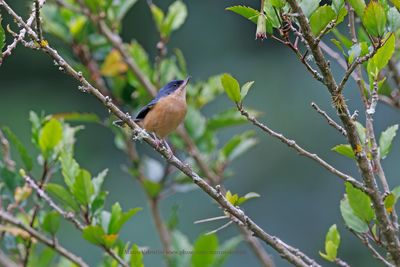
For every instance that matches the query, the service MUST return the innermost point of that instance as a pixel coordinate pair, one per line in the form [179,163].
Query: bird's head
[175,87]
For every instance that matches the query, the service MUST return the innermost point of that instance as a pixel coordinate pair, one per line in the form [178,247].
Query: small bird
[165,112]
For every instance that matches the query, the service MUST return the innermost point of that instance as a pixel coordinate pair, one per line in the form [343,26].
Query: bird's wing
[143,112]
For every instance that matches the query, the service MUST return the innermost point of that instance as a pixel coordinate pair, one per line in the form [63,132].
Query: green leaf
[393,17]
[359,7]
[51,222]
[231,198]
[123,8]
[83,188]
[177,13]
[361,131]
[195,122]
[63,195]
[321,18]
[118,218]
[238,145]
[136,257]
[357,50]
[2,37]
[247,197]
[50,136]
[231,87]
[152,188]
[337,5]
[98,181]
[332,242]
[349,217]
[228,245]
[158,15]
[69,169]
[180,242]
[78,117]
[94,234]
[396,3]
[381,57]
[374,19]
[230,117]
[309,6]
[205,243]
[278,3]
[246,12]
[344,150]
[386,139]
[245,89]
[390,201]
[23,153]
[360,203]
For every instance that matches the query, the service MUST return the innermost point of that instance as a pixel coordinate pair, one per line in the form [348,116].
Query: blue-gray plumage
[166,111]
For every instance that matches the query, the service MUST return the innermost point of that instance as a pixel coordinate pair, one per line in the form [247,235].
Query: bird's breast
[165,116]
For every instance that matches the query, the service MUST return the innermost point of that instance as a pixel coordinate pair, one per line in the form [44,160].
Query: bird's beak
[186,81]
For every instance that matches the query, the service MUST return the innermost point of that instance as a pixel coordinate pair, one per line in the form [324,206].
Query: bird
[162,115]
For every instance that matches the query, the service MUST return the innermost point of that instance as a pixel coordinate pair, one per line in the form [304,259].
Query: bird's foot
[168,150]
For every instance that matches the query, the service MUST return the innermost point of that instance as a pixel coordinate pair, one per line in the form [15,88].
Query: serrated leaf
[63,195]
[386,139]
[204,243]
[349,217]
[321,18]
[381,57]
[374,19]
[245,89]
[231,87]
[246,12]
[22,151]
[50,136]
[360,203]
[345,150]
[69,169]
[83,188]
[231,198]
[51,222]
[390,201]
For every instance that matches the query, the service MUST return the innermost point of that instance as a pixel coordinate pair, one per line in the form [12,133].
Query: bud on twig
[261,32]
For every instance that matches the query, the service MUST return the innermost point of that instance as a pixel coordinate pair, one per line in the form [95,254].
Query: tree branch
[237,214]
[331,122]
[389,232]
[43,239]
[302,151]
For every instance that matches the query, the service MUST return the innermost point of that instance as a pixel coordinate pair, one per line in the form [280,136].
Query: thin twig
[241,217]
[341,263]
[43,239]
[21,34]
[388,231]
[331,122]
[5,145]
[38,20]
[302,151]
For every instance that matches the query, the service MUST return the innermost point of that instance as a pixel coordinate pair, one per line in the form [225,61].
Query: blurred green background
[299,200]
